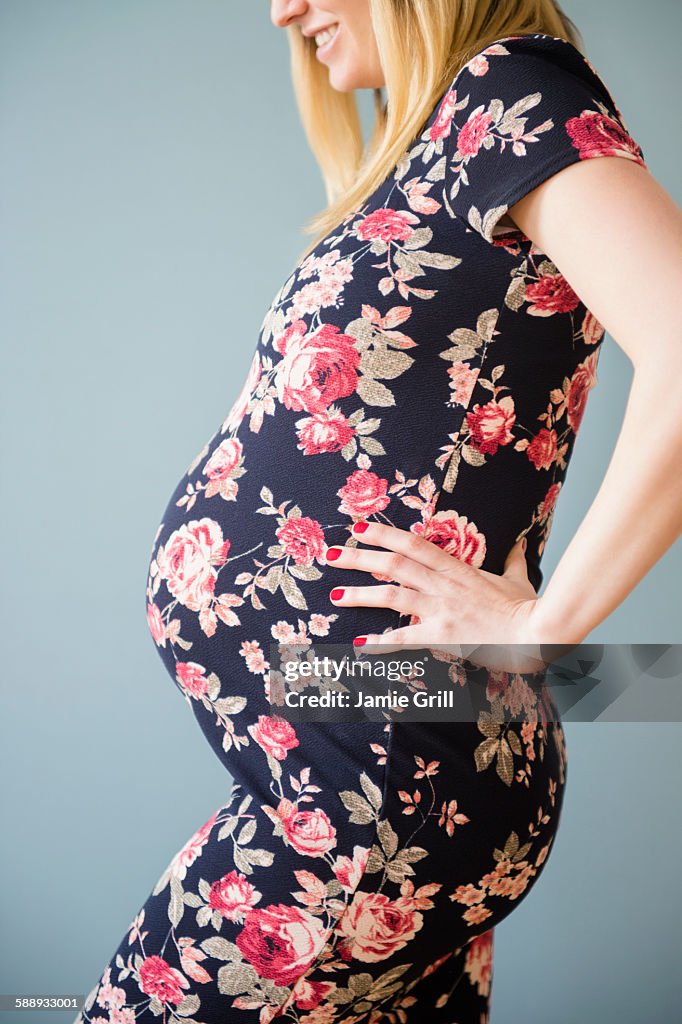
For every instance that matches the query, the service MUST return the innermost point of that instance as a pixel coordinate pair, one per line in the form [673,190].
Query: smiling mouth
[326,35]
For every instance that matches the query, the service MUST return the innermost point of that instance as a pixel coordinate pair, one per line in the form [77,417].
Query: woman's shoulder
[512,59]
[520,110]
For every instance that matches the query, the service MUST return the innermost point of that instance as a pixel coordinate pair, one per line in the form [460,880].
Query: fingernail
[524,543]
[360,527]
[336,594]
[358,641]
[333,553]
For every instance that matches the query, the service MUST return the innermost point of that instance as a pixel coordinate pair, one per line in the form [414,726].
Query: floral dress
[427,367]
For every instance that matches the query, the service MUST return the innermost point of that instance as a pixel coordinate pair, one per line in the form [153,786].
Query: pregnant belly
[238,561]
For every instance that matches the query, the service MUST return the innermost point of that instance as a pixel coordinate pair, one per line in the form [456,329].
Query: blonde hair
[422,46]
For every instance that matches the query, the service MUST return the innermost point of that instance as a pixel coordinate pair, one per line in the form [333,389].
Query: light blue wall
[153,188]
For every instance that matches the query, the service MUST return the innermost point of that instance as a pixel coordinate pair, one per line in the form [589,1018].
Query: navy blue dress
[428,367]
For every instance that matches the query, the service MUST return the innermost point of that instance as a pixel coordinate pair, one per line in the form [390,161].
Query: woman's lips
[323,51]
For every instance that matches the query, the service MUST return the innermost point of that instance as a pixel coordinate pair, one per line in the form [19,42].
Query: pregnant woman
[389,472]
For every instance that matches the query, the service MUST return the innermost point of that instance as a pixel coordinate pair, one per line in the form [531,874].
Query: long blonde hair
[422,45]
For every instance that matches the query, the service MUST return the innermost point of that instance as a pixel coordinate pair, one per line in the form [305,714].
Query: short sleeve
[518,112]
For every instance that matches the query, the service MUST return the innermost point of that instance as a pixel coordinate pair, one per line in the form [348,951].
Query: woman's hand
[454,607]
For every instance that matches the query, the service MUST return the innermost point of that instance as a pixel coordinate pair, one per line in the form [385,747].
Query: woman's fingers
[413,566]
[387,563]
[401,599]
[405,543]
[405,638]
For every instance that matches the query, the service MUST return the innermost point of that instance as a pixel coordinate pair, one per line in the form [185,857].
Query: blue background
[154,181]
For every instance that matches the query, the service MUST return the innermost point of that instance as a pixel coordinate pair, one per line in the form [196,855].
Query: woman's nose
[283,12]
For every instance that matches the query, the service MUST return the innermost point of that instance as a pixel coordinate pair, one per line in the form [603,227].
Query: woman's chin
[342,79]
[345,79]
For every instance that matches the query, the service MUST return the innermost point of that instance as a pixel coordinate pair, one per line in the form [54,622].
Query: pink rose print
[455,535]
[592,329]
[275,736]
[478,65]
[497,683]
[280,941]
[158,978]
[303,539]
[363,494]
[387,225]
[192,678]
[551,294]
[349,872]
[490,425]
[310,994]
[185,857]
[220,467]
[473,134]
[582,380]
[187,562]
[374,926]
[550,500]
[595,134]
[542,449]
[325,432]
[311,833]
[441,127]
[233,896]
[316,369]
[156,625]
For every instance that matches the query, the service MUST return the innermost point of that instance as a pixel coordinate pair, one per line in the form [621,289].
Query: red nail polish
[358,641]
[333,553]
[360,527]
[336,594]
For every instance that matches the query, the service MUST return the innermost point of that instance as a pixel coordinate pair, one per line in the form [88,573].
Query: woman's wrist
[549,627]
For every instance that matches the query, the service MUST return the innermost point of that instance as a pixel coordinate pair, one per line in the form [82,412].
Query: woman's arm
[616,236]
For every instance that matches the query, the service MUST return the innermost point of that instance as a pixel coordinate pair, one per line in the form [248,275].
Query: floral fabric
[426,367]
